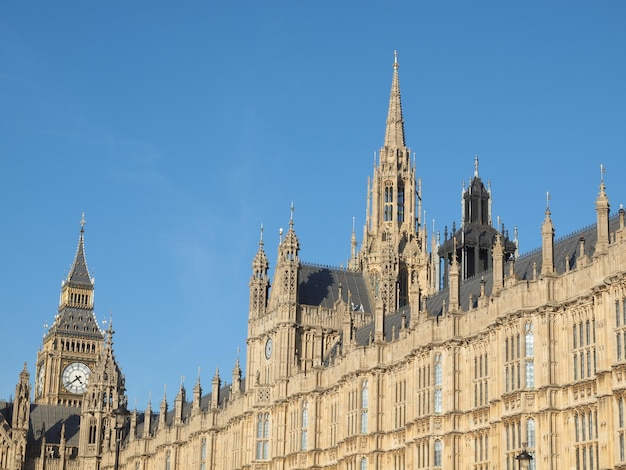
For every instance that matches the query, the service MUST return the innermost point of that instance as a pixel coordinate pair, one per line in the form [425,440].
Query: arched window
[168,461]
[403,288]
[400,203]
[388,202]
[530,433]
[363,463]
[262,436]
[438,453]
[530,353]
[203,454]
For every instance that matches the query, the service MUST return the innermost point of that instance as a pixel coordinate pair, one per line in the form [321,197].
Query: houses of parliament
[422,353]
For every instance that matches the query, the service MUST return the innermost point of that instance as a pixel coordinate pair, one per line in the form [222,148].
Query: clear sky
[180,127]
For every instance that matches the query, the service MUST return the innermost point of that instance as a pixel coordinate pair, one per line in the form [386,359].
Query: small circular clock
[268,348]
[75,377]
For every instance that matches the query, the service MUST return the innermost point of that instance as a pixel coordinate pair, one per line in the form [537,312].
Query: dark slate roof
[205,401]
[79,273]
[52,417]
[319,286]
[392,323]
[564,247]
[77,321]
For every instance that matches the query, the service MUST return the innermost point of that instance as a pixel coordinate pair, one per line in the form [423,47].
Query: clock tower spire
[72,344]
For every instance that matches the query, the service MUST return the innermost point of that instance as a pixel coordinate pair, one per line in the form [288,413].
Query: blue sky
[179,128]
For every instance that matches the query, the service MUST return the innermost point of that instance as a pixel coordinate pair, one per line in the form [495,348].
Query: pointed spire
[79,273]
[394,133]
[352,265]
[260,264]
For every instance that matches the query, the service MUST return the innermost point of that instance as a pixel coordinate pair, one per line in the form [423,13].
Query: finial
[82,223]
[261,237]
[602,172]
[395,60]
[353,221]
[548,197]
[476,165]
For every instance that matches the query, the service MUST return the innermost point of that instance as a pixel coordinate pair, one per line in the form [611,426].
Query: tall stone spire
[394,133]
[393,251]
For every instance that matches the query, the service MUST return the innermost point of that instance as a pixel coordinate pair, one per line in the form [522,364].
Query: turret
[236,387]
[179,403]
[103,399]
[215,390]
[602,217]
[286,277]
[163,412]
[472,243]
[547,243]
[455,285]
[197,397]
[147,420]
[498,264]
[21,402]
[259,282]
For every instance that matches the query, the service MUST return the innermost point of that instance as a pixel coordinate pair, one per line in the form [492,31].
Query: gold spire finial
[395,60]
[82,222]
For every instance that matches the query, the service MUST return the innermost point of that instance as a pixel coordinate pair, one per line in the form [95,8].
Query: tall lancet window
[530,353]
[262,436]
[403,288]
[388,202]
[400,203]
[305,426]
[364,406]
[438,381]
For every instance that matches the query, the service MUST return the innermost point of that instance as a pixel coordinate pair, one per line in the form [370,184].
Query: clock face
[40,378]
[268,348]
[75,377]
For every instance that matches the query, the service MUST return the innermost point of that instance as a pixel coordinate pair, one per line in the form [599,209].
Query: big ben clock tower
[72,345]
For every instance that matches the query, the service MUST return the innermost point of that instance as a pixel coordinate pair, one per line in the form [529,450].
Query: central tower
[393,255]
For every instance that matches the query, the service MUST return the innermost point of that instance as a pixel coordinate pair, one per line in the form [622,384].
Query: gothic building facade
[462,355]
